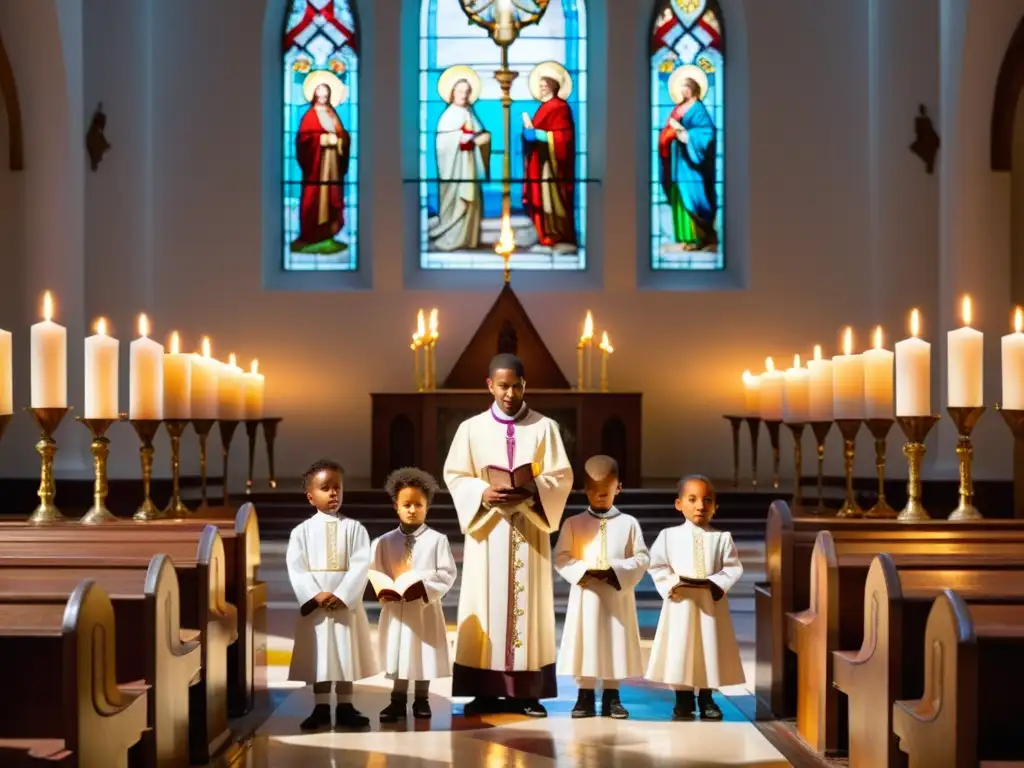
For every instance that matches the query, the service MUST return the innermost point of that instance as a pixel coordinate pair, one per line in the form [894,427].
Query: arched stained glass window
[464,187]
[687,140]
[321,136]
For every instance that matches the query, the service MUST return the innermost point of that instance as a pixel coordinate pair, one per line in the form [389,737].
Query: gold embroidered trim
[699,566]
[602,558]
[333,561]
[518,587]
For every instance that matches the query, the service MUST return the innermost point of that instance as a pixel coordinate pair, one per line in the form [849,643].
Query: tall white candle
[6,375]
[964,364]
[914,372]
[177,381]
[204,384]
[49,353]
[772,385]
[878,380]
[821,385]
[798,406]
[751,394]
[230,398]
[255,387]
[145,375]
[101,382]
[1013,365]
[848,381]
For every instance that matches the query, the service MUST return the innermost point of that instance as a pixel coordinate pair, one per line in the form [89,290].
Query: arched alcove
[12,110]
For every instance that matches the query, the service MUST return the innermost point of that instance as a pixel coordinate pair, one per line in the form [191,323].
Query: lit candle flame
[175,343]
[796,361]
[965,311]
[232,360]
[588,328]
[747,377]
[915,322]
[143,325]
[101,326]
[254,366]
[207,352]
[817,351]
[848,341]
[605,346]
[769,364]
[506,244]
[433,324]
[878,337]
[1018,320]
[47,306]
[421,326]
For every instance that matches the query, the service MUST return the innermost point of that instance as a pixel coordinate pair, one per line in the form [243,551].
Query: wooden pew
[834,619]
[150,644]
[789,541]
[970,712]
[890,660]
[59,659]
[199,564]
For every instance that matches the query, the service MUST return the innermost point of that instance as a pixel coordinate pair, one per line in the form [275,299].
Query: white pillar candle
[878,380]
[203,393]
[964,366]
[254,386]
[1013,366]
[797,406]
[6,375]
[751,394]
[772,385]
[914,372]
[49,353]
[145,375]
[230,398]
[848,381]
[101,382]
[177,381]
[821,385]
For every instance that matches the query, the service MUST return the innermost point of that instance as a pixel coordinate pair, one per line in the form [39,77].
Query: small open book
[408,586]
[607,575]
[501,477]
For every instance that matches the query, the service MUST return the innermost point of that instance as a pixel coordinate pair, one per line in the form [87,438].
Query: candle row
[162,385]
[585,352]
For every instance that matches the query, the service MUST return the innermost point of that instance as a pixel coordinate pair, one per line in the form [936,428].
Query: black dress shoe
[481,705]
[584,704]
[533,708]
[347,716]
[685,705]
[708,709]
[395,711]
[421,708]
[611,706]
[321,718]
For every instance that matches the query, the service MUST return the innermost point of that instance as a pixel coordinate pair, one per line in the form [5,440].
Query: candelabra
[879,429]
[202,428]
[821,430]
[797,428]
[227,431]
[269,435]
[964,419]
[754,425]
[48,419]
[915,429]
[146,429]
[773,437]
[176,508]
[100,448]
[252,427]
[734,423]
[848,428]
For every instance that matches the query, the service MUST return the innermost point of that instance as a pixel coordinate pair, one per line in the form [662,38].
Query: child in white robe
[412,635]
[328,559]
[601,552]
[693,566]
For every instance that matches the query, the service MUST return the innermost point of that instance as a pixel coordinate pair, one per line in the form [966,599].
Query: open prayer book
[408,586]
[607,575]
[501,477]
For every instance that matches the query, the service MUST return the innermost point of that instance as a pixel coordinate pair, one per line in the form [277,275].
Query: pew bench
[60,661]
[970,712]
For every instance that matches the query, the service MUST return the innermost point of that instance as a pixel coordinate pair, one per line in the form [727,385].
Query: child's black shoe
[347,716]
[685,705]
[321,718]
[394,711]
[584,704]
[708,709]
[421,708]
[611,705]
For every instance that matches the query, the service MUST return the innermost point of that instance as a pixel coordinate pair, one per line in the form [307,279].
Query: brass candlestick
[797,428]
[146,429]
[915,429]
[773,438]
[964,419]
[754,425]
[252,427]
[848,428]
[734,423]
[879,429]
[202,428]
[100,448]
[1015,421]
[269,435]
[176,508]
[821,430]
[227,431]
[48,420]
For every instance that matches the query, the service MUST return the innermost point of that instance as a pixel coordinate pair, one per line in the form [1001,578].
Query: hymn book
[408,586]
[607,575]
[513,479]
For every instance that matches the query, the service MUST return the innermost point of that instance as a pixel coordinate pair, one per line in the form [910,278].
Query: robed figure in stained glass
[549,158]
[322,150]
[687,150]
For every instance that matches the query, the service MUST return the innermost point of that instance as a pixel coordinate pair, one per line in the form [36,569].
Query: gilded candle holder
[48,419]
[202,428]
[965,419]
[146,429]
[879,429]
[269,435]
[227,431]
[100,449]
[849,428]
[252,428]
[734,423]
[773,437]
[176,509]
[1015,421]
[915,429]
[754,426]
[820,429]
[797,428]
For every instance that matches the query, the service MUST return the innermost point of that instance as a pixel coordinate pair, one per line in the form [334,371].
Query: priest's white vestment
[506,637]
[695,645]
[412,637]
[328,553]
[601,637]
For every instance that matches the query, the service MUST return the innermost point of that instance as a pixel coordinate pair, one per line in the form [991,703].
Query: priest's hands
[496,496]
[329,602]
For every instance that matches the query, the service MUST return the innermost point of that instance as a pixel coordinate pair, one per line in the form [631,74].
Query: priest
[509,477]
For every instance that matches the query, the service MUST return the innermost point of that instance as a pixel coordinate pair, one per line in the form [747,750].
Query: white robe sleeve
[568,567]
[376,559]
[467,490]
[439,581]
[731,569]
[554,482]
[629,570]
[352,586]
[665,578]
[304,584]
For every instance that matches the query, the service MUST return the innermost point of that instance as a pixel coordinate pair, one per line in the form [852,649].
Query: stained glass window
[463,186]
[687,138]
[321,136]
